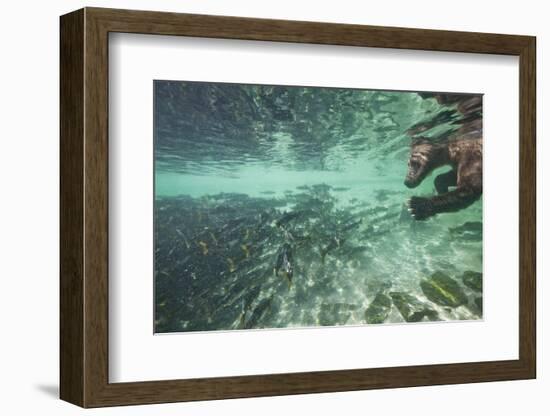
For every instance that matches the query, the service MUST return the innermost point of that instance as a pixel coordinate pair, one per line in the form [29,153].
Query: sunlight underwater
[280,207]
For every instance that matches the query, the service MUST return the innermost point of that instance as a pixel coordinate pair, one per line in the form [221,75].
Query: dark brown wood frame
[84,208]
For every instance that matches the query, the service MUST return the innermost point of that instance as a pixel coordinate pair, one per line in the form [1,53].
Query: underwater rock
[379,309]
[476,306]
[443,290]
[473,280]
[411,309]
[479,303]
[335,313]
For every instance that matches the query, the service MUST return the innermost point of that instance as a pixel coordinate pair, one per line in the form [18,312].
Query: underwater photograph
[297,207]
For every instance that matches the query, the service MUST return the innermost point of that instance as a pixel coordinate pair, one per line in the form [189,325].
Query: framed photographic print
[255,207]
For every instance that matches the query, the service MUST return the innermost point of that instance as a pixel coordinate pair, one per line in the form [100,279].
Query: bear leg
[443,181]
[422,208]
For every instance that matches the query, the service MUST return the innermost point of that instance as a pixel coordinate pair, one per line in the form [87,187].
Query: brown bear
[464,155]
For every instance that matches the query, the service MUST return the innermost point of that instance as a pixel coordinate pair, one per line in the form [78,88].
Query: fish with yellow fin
[204,247]
[246,250]
[232,266]
[214,239]
[283,265]
[335,243]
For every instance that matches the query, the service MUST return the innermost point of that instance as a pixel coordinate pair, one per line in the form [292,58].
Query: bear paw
[420,208]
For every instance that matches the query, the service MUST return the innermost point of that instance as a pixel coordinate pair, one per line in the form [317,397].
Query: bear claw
[420,208]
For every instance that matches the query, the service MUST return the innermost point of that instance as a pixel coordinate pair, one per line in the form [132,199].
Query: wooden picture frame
[84,207]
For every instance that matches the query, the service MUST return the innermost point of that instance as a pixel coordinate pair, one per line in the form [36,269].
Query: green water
[245,174]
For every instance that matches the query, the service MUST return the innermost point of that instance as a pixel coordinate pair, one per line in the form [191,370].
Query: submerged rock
[379,309]
[411,309]
[443,290]
[479,303]
[473,280]
[335,313]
